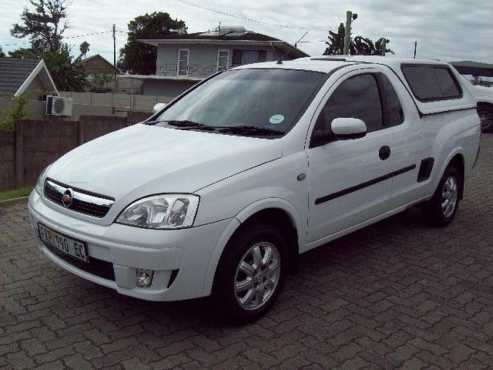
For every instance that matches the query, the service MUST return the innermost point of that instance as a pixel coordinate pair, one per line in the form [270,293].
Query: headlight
[167,211]
[40,182]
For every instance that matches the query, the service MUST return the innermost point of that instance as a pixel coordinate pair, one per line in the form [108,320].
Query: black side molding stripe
[352,189]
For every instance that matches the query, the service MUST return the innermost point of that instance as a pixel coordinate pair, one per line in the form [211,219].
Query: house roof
[226,36]
[245,35]
[16,75]
[99,58]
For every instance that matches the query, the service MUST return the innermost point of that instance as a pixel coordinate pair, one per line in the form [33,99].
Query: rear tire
[250,274]
[440,210]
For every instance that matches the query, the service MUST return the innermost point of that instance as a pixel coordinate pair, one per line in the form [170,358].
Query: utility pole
[114,49]
[350,17]
[415,48]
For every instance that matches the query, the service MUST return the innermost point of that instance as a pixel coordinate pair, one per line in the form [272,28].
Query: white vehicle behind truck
[484,97]
[219,192]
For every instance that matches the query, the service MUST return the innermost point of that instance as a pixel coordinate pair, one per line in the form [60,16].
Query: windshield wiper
[249,130]
[187,124]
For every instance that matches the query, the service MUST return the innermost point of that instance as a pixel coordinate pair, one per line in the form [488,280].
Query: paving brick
[395,295]
[77,362]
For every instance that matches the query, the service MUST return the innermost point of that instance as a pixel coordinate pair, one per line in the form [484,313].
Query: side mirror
[158,107]
[348,128]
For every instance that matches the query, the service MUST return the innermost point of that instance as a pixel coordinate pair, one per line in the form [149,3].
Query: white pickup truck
[484,97]
[221,190]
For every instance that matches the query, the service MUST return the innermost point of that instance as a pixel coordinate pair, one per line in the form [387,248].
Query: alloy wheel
[257,275]
[450,195]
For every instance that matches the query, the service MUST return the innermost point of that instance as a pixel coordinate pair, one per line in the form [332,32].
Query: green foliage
[44,25]
[336,42]
[139,58]
[14,113]
[17,193]
[84,49]
[24,53]
[100,80]
[2,54]
[67,72]
[69,75]
[358,46]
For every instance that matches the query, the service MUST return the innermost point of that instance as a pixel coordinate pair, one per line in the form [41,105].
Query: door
[350,181]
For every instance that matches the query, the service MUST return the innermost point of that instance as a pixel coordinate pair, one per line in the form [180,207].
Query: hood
[142,160]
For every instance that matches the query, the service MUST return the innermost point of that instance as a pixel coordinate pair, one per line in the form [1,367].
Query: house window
[183,60]
[222,59]
[248,56]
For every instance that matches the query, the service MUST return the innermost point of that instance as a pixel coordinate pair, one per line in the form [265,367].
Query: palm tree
[336,42]
[360,45]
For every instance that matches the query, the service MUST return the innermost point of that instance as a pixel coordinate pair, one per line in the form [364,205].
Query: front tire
[440,211]
[251,273]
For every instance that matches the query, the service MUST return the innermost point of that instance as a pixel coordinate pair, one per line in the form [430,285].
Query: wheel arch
[273,210]
[457,160]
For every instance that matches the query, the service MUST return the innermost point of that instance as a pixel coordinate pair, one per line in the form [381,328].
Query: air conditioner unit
[58,106]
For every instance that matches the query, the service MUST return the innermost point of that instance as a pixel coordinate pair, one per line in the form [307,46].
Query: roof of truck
[328,63]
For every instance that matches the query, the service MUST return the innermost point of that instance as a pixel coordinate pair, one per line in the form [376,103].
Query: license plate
[64,244]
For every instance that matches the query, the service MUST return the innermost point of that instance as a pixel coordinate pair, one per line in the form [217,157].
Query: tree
[84,49]
[358,46]
[2,54]
[24,53]
[44,26]
[336,42]
[68,75]
[139,58]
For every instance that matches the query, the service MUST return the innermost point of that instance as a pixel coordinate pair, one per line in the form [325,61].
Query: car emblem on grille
[67,198]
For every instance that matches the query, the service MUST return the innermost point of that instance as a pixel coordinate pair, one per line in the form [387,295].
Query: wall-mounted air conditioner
[58,106]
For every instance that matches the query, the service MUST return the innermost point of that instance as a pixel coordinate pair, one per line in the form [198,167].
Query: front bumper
[181,259]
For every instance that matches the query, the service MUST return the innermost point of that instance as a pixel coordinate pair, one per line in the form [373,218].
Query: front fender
[240,218]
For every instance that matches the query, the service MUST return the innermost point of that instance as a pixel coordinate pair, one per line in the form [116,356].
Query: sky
[446,29]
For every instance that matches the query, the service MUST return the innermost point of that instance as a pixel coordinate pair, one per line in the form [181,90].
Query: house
[96,64]
[183,59]
[25,77]
[100,72]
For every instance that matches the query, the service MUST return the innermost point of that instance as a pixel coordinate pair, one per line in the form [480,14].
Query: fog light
[144,278]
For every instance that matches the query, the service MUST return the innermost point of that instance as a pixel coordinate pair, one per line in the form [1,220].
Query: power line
[93,34]
[26,43]
[249,19]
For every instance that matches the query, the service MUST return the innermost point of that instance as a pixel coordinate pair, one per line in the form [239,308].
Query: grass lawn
[16,193]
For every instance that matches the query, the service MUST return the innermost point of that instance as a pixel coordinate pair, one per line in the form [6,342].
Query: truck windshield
[249,102]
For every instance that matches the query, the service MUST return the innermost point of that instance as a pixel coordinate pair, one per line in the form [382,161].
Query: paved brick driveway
[395,295]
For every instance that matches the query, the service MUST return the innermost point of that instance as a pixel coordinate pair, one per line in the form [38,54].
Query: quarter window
[357,97]
[431,82]
[393,114]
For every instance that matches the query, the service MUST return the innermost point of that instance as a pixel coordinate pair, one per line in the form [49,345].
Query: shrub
[14,113]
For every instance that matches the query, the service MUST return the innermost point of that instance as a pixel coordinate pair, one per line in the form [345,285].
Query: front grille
[80,200]
[95,266]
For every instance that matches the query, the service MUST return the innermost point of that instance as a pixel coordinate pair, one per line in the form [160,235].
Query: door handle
[384,152]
